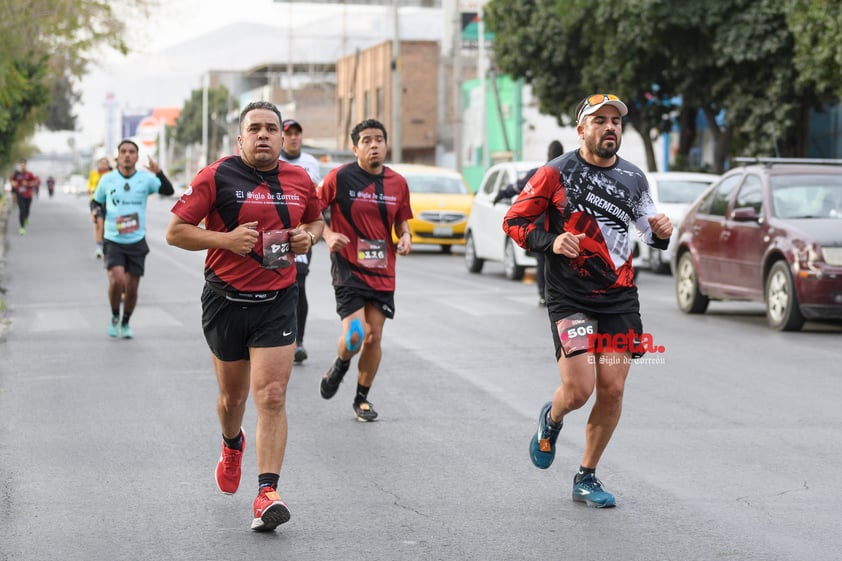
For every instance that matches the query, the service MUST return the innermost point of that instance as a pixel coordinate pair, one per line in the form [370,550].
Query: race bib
[128,223]
[576,333]
[277,253]
[372,254]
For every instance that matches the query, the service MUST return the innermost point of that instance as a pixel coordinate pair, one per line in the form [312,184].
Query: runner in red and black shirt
[367,200]
[259,213]
[591,197]
[23,186]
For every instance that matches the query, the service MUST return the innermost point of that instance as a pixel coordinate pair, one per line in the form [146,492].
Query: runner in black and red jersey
[367,200]
[591,197]
[23,186]
[259,214]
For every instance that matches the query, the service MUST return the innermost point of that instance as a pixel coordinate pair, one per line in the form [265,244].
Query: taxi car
[441,204]
[769,231]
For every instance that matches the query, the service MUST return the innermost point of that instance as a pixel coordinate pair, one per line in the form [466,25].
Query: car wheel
[512,270]
[472,262]
[690,300]
[782,311]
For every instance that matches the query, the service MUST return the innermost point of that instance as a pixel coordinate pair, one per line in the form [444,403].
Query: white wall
[539,130]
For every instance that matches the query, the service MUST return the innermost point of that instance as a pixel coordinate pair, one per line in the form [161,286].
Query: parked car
[768,231]
[441,202]
[485,239]
[673,192]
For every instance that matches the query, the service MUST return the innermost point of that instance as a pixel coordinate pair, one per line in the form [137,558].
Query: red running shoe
[269,511]
[228,469]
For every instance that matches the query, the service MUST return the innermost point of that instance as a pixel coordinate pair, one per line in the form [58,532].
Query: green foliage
[47,46]
[750,58]
[817,26]
[25,94]
[189,125]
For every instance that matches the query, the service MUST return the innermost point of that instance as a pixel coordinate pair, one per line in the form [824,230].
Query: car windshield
[422,183]
[676,191]
[807,196]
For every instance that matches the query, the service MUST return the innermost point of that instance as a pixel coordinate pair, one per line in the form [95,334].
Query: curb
[5,209]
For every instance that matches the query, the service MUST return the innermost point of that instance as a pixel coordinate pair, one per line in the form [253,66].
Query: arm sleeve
[166,187]
[641,222]
[520,220]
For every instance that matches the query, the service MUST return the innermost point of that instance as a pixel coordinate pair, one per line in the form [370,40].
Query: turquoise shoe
[542,446]
[589,490]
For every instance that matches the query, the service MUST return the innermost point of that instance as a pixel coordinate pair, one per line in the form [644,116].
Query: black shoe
[300,354]
[364,411]
[332,378]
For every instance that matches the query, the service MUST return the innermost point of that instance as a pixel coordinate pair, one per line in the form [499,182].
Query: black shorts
[233,325]
[98,209]
[349,299]
[609,327]
[132,256]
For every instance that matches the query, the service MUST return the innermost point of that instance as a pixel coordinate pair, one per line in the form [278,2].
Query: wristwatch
[312,238]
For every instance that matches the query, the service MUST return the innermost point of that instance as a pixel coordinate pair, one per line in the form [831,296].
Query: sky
[152,77]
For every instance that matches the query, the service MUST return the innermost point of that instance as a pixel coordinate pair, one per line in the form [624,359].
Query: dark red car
[770,231]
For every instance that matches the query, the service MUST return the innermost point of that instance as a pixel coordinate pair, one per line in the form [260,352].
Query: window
[750,194]
[488,187]
[366,104]
[378,104]
[716,203]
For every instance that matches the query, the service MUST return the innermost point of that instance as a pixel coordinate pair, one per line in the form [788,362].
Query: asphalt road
[728,448]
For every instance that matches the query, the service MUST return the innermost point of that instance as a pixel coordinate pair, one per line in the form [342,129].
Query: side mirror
[745,214]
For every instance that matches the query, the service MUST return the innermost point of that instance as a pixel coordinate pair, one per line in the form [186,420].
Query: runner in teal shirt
[124,192]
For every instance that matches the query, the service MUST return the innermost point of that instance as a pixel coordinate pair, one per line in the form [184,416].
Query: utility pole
[397,147]
[203,158]
[482,69]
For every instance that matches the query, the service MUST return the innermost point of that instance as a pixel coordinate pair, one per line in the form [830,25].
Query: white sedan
[484,237]
[673,192]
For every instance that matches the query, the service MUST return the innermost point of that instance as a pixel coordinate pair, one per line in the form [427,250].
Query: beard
[605,152]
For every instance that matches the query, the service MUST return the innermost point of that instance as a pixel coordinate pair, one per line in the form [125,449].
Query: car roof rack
[771,161]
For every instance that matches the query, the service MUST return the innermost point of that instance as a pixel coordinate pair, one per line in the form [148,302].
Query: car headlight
[832,256]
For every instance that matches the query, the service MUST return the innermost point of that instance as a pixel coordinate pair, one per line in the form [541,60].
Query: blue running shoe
[589,490]
[114,327]
[126,332]
[542,447]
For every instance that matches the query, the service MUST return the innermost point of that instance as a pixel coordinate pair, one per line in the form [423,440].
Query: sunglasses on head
[593,100]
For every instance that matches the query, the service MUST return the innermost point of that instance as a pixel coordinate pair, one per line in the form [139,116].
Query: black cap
[292,123]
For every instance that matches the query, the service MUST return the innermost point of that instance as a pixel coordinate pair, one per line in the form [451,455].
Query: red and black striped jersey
[228,193]
[365,208]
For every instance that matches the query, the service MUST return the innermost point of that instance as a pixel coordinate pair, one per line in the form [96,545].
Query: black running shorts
[612,327]
[232,326]
[132,256]
[350,299]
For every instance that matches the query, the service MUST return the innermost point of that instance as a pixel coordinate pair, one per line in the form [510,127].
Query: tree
[189,125]
[23,92]
[47,45]
[816,26]
[732,59]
